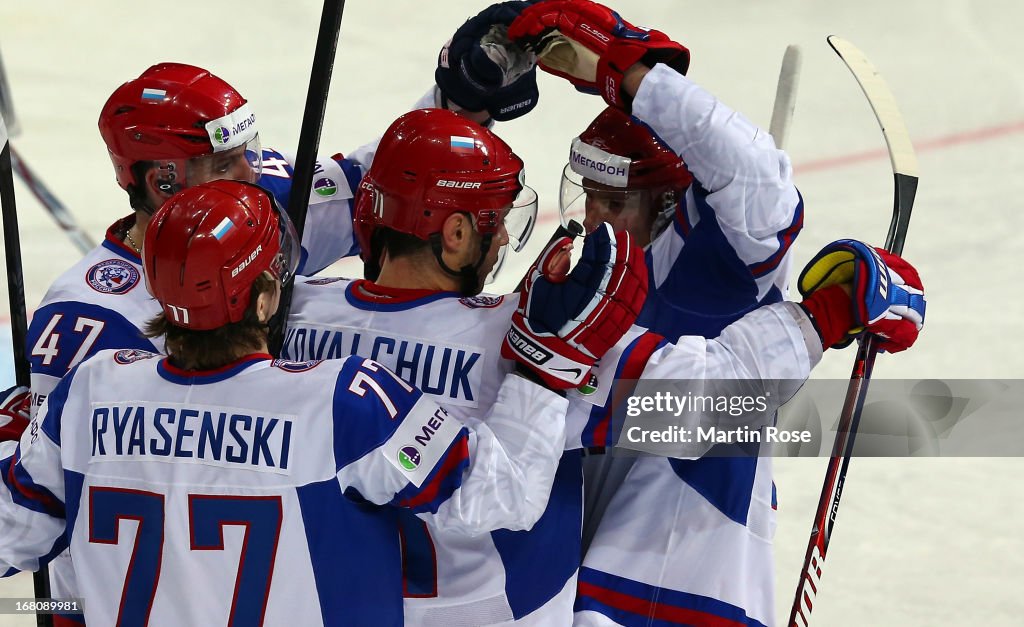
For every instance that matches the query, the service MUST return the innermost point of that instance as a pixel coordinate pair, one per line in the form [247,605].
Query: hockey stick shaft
[57,210]
[309,144]
[904,166]
[19,318]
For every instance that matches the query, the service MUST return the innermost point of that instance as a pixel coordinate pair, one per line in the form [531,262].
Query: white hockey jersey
[450,346]
[689,541]
[101,302]
[251,494]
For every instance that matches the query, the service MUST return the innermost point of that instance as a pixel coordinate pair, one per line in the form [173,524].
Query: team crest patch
[324,281]
[481,302]
[296,366]
[112,276]
[132,355]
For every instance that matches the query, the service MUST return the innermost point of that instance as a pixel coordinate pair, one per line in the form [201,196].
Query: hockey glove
[591,46]
[480,69]
[566,322]
[14,412]
[886,296]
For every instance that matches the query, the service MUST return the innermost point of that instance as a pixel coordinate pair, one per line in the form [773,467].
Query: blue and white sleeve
[32,515]
[741,178]
[408,452]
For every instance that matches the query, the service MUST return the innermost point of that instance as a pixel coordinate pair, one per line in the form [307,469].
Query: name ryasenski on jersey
[214,436]
[440,370]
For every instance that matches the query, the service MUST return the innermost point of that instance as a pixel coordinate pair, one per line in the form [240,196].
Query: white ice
[918,542]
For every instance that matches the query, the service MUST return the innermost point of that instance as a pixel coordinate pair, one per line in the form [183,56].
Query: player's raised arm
[497,473]
[849,289]
[741,179]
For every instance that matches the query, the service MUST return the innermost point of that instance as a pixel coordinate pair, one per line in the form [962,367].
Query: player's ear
[153,184]
[269,299]
[457,233]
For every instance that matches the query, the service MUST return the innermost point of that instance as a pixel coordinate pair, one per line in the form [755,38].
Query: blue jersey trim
[620,598]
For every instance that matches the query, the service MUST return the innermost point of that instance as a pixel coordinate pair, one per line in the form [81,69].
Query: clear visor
[286,262]
[242,163]
[604,201]
[521,218]
[519,221]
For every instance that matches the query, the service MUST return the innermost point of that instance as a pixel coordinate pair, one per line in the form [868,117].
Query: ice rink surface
[918,541]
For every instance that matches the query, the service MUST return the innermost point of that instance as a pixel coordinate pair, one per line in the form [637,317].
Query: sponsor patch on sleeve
[421,440]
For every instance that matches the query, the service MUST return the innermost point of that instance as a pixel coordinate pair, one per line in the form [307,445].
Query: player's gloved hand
[591,46]
[15,403]
[480,69]
[886,297]
[566,322]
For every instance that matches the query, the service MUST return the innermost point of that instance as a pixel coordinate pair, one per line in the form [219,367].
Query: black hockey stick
[904,168]
[19,319]
[57,210]
[309,143]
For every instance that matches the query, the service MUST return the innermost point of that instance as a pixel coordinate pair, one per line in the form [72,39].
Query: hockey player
[425,220]
[250,484]
[173,127]
[719,241]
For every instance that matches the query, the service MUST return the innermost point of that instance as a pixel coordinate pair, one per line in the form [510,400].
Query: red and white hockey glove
[15,404]
[565,323]
[591,46]
[886,299]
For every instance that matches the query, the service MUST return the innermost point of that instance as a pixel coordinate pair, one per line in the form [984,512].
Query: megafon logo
[596,34]
[409,457]
[222,135]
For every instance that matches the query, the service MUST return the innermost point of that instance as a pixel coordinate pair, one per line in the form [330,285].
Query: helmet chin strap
[469,274]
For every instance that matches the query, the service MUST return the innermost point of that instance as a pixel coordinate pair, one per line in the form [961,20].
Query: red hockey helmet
[433,163]
[206,245]
[617,155]
[174,115]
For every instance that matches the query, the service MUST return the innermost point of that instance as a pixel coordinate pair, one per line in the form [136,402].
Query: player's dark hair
[395,244]
[190,349]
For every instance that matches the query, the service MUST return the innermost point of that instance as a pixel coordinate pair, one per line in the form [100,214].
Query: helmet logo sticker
[222,229]
[112,276]
[232,130]
[154,94]
[325,187]
[464,145]
[593,163]
[222,135]
[245,262]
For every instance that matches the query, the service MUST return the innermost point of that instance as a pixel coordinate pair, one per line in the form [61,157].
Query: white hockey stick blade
[901,151]
[785,94]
